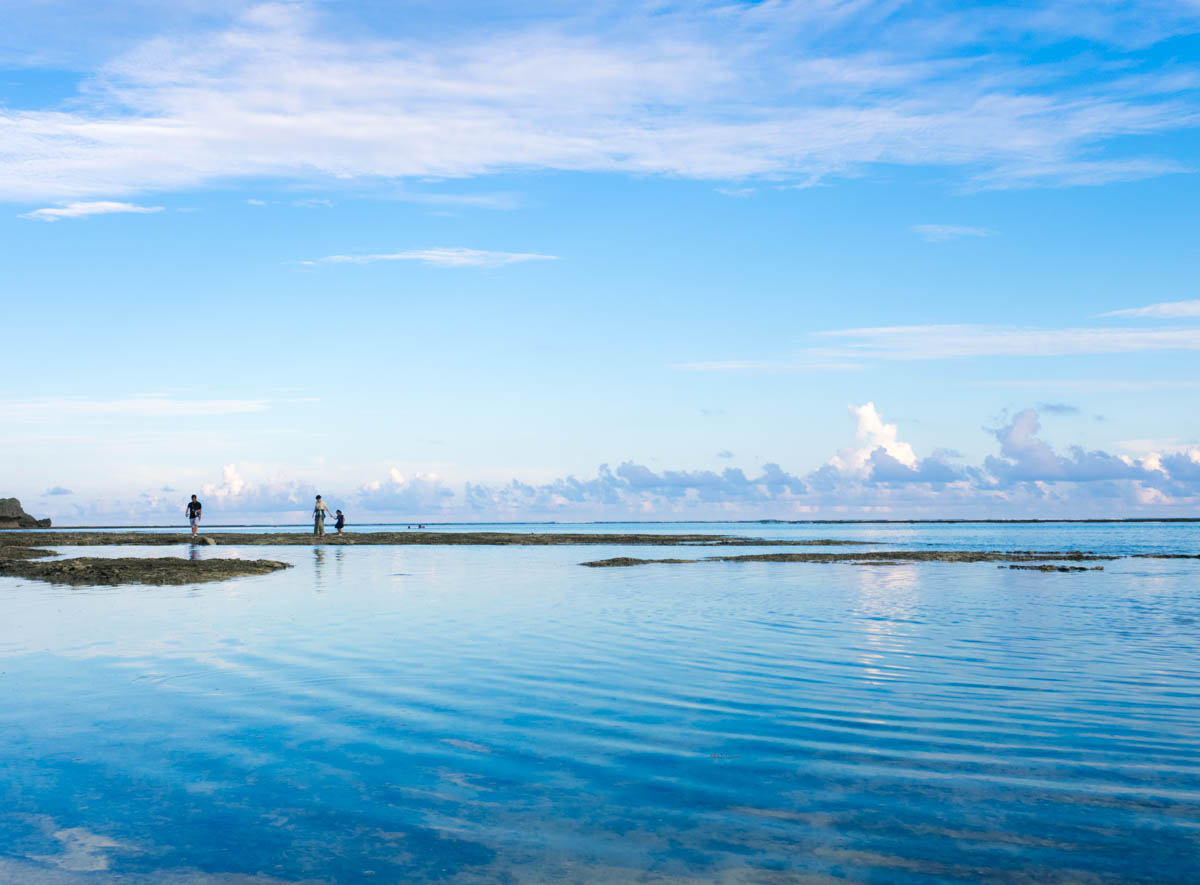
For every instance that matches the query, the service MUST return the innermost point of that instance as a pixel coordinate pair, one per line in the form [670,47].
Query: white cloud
[1102,384]
[938,233]
[785,365]
[853,349]
[149,406]
[781,91]
[498,201]
[1159,446]
[957,341]
[874,434]
[445,257]
[85,209]
[1164,310]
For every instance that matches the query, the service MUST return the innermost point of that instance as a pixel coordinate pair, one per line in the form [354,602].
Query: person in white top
[319,512]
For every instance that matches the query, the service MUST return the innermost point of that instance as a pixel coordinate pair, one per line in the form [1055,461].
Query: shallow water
[467,714]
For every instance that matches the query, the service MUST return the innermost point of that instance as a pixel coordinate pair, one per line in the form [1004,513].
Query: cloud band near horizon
[879,475]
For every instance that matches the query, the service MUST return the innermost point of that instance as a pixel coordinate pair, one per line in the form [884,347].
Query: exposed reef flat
[878,557]
[300,539]
[136,570]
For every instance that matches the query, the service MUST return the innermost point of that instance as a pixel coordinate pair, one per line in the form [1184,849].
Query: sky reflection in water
[501,714]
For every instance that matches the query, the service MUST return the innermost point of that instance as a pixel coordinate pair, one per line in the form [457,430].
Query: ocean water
[476,714]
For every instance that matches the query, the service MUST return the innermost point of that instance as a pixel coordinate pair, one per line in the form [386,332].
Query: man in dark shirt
[193,514]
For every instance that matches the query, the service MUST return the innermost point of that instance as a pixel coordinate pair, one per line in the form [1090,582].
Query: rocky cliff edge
[12,516]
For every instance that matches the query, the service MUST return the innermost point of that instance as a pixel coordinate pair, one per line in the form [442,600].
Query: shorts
[194,520]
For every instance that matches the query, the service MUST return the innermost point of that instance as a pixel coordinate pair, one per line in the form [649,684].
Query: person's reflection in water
[319,566]
[339,560]
[194,553]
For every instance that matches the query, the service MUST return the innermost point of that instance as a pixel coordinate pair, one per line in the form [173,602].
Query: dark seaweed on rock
[1047,567]
[876,557]
[137,570]
[13,552]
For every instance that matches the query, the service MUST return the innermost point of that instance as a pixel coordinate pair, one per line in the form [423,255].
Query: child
[341,521]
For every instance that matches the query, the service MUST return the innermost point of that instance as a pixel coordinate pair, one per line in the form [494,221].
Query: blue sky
[728,260]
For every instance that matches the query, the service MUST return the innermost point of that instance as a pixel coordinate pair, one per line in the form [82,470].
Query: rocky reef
[137,570]
[31,562]
[1031,558]
[13,516]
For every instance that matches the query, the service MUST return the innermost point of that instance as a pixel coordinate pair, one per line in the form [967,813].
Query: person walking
[341,522]
[320,510]
[193,514]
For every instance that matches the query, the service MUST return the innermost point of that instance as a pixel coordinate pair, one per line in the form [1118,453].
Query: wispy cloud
[1090,384]
[446,257]
[1058,408]
[56,491]
[802,363]
[498,201]
[1164,310]
[937,233]
[85,209]
[276,94]
[854,349]
[957,341]
[148,406]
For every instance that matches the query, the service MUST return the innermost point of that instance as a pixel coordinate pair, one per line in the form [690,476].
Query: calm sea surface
[475,714]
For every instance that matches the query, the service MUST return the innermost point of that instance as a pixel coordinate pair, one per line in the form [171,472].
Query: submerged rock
[13,516]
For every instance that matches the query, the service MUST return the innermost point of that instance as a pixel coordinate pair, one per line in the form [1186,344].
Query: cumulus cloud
[421,493]
[938,233]
[873,434]
[233,494]
[636,490]
[1027,458]
[85,209]
[445,257]
[1164,310]
[779,91]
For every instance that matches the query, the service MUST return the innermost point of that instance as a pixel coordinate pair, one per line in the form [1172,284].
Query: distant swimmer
[341,522]
[319,512]
[193,514]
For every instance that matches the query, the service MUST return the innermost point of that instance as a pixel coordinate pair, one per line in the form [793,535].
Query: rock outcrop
[12,516]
